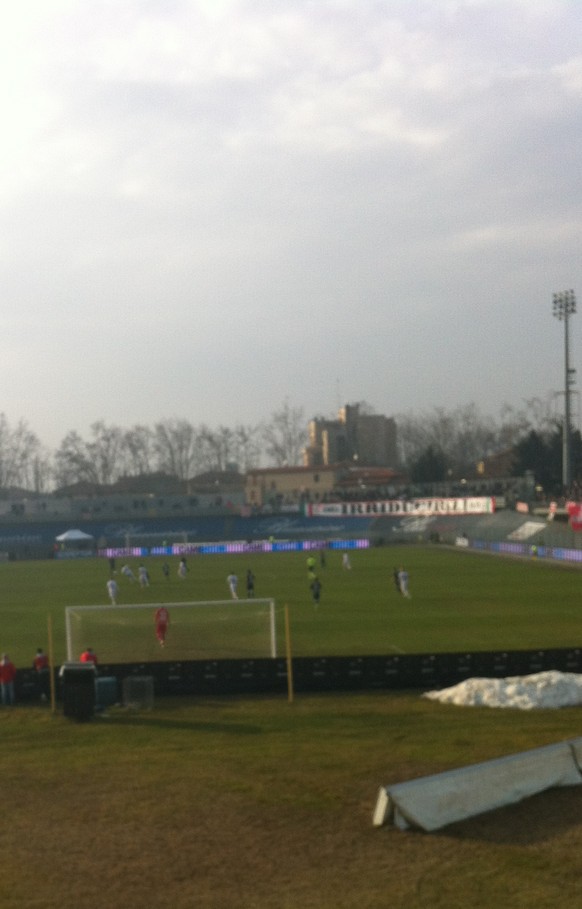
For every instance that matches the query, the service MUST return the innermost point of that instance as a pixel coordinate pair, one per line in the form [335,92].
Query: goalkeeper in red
[162,620]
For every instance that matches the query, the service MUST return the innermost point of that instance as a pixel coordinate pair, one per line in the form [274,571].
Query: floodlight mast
[564,306]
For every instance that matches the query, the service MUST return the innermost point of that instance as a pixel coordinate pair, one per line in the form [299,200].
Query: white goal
[200,630]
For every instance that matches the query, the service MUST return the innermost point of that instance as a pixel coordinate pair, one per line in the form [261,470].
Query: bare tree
[462,436]
[413,438]
[285,436]
[106,452]
[216,447]
[224,447]
[40,470]
[247,449]
[99,461]
[73,463]
[18,448]
[139,451]
[515,424]
[475,437]
[176,445]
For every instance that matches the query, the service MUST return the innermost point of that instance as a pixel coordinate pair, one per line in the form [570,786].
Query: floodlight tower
[564,306]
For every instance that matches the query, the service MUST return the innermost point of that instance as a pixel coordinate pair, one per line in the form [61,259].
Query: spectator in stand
[40,664]
[7,676]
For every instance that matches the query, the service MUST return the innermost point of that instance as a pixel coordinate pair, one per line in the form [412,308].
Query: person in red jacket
[88,656]
[7,676]
[162,620]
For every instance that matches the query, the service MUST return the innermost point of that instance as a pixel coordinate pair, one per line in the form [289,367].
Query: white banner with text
[404,507]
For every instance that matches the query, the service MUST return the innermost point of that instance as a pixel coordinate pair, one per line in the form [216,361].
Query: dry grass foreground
[262,804]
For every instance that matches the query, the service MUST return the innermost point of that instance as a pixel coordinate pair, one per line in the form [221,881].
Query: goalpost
[198,630]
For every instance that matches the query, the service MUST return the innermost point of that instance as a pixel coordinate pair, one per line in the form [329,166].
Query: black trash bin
[78,681]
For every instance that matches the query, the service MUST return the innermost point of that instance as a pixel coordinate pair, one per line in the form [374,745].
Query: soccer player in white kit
[112,591]
[403,581]
[232,582]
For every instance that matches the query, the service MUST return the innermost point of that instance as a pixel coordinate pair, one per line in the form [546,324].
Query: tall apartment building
[366,439]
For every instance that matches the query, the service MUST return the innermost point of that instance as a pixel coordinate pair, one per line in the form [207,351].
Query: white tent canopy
[74,536]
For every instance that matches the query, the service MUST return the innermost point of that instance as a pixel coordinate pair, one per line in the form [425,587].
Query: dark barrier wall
[365,673]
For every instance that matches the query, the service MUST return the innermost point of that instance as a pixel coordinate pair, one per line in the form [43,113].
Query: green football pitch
[460,602]
[257,802]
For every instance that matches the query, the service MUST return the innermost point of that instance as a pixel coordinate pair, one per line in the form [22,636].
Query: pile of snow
[525,692]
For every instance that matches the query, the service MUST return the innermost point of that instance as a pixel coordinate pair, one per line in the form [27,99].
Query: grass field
[460,602]
[258,803]
[265,805]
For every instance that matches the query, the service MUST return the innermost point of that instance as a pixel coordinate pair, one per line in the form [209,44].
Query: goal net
[209,629]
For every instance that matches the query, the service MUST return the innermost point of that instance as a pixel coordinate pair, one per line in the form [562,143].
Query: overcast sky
[209,207]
